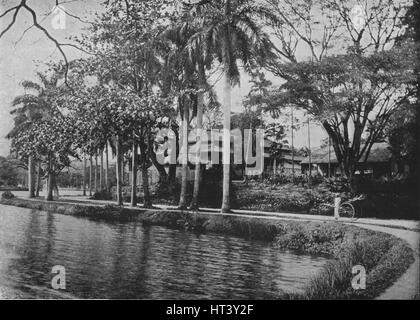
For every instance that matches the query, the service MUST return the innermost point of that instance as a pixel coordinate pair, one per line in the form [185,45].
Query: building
[277,157]
[282,161]
[379,163]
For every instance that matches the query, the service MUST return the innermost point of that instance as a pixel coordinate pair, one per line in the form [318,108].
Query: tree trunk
[122,170]
[84,174]
[38,180]
[329,157]
[293,145]
[172,173]
[96,173]
[106,167]
[275,166]
[147,203]
[310,154]
[134,175]
[118,172]
[50,186]
[163,176]
[31,180]
[199,128]
[173,166]
[346,158]
[184,174]
[101,172]
[90,175]
[226,144]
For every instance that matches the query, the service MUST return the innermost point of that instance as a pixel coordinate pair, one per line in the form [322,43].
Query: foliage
[352,77]
[401,132]
[50,140]
[211,198]
[102,195]
[7,195]
[283,178]
[8,172]
[151,61]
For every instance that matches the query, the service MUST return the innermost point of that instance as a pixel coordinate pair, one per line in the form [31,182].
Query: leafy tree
[8,172]
[399,132]
[129,56]
[353,79]
[31,107]
[51,141]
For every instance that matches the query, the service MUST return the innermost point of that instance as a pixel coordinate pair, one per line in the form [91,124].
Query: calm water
[130,260]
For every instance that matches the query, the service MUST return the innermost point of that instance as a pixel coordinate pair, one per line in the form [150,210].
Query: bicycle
[345,210]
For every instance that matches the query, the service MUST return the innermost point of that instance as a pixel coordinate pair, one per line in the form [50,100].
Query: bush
[7,195]
[337,184]
[285,178]
[394,185]
[384,259]
[394,197]
[211,191]
[102,195]
[167,192]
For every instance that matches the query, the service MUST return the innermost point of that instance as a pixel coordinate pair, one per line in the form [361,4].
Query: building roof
[288,157]
[380,152]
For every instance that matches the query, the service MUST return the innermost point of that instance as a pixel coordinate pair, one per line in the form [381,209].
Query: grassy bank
[384,256]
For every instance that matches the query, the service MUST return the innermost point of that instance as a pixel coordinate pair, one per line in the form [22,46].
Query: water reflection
[131,260]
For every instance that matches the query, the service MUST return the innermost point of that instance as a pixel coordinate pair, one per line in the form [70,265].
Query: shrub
[211,191]
[383,258]
[7,195]
[337,184]
[102,195]
[394,197]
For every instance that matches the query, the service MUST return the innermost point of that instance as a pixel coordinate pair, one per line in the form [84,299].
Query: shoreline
[385,256]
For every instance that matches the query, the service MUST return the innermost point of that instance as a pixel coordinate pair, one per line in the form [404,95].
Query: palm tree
[182,63]
[134,172]
[29,108]
[184,161]
[232,32]
[192,61]
[199,128]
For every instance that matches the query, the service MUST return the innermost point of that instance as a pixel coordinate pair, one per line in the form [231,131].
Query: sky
[23,53]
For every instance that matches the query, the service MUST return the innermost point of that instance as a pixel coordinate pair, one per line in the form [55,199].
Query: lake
[134,261]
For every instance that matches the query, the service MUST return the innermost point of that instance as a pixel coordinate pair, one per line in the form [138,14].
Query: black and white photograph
[209,154]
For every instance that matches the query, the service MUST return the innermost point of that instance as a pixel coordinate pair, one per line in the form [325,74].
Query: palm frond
[25,99]
[44,79]
[31,85]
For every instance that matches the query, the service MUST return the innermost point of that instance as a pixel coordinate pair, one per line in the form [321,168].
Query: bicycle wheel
[346,210]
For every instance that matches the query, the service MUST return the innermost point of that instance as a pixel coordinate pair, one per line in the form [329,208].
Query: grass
[385,257]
